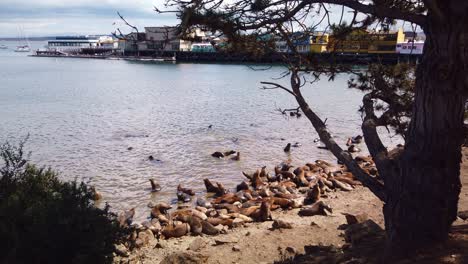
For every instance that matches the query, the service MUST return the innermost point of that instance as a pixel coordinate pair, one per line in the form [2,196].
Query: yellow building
[361,41]
[319,42]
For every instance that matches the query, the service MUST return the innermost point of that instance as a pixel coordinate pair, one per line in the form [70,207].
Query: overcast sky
[81,17]
[64,17]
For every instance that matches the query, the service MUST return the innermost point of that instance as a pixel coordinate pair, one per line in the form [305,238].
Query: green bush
[44,220]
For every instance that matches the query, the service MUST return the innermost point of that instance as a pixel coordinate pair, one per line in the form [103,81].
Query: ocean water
[82,115]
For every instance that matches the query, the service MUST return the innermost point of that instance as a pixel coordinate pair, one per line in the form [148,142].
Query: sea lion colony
[253,200]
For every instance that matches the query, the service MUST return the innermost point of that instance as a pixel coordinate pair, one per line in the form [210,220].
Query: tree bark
[422,196]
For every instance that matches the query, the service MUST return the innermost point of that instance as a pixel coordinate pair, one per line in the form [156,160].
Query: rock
[366,230]
[356,219]
[236,248]
[279,224]
[221,241]
[185,258]
[121,250]
[146,236]
[463,215]
[160,244]
[197,244]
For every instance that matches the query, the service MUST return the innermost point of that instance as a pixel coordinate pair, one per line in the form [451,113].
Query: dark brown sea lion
[185,190]
[236,157]
[318,208]
[218,189]
[228,153]
[313,195]
[209,229]
[242,186]
[287,148]
[179,230]
[226,198]
[263,214]
[217,154]
[195,226]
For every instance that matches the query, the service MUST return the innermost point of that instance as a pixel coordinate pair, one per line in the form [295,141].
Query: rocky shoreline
[304,191]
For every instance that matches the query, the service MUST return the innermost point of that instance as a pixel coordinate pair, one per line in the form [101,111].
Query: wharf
[217,57]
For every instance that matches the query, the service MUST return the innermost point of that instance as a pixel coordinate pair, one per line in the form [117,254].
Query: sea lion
[300,178]
[257,181]
[160,209]
[249,210]
[242,186]
[353,149]
[217,154]
[226,198]
[195,226]
[228,153]
[287,148]
[280,224]
[183,197]
[313,195]
[282,202]
[236,157]
[263,172]
[203,203]
[218,221]
[341,185]
[230,207]
[218,189]
[125,218]
[155,187]
[178,230]
[185,190]
[209,229]
[263,213]
[318,208]
[96,195]
[248,176]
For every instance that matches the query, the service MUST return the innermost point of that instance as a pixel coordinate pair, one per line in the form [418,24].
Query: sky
[37,18]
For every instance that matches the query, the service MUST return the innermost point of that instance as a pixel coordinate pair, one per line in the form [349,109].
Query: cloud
[56,17]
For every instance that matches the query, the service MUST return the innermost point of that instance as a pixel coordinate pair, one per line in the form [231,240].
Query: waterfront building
[410,47]
[156,39]
[319,42]
[76,44]
[362,41]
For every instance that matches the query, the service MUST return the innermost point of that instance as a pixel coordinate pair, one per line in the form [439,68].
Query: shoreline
[258,242]
[243,235]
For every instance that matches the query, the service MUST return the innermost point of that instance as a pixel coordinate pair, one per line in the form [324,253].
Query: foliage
[44,220]
[392,88]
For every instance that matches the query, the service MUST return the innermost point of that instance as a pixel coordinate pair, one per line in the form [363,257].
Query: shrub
[44,220]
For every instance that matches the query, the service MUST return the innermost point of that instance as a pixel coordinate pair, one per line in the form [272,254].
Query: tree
[421,184]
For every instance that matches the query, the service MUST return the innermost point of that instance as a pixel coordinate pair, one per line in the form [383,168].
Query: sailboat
[24,47]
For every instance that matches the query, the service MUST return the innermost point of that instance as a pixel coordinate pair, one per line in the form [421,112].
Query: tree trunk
[422,196]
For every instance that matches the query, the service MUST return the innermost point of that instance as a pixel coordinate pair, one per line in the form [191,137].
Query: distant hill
[30,39]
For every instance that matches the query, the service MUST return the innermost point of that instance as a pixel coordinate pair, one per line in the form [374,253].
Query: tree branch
[373,184]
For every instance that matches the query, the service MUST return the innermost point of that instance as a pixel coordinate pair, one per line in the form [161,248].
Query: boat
[23,48]
[153,59]
[3,47]
[25,42]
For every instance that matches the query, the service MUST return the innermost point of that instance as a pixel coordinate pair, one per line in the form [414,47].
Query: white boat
[24,48]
